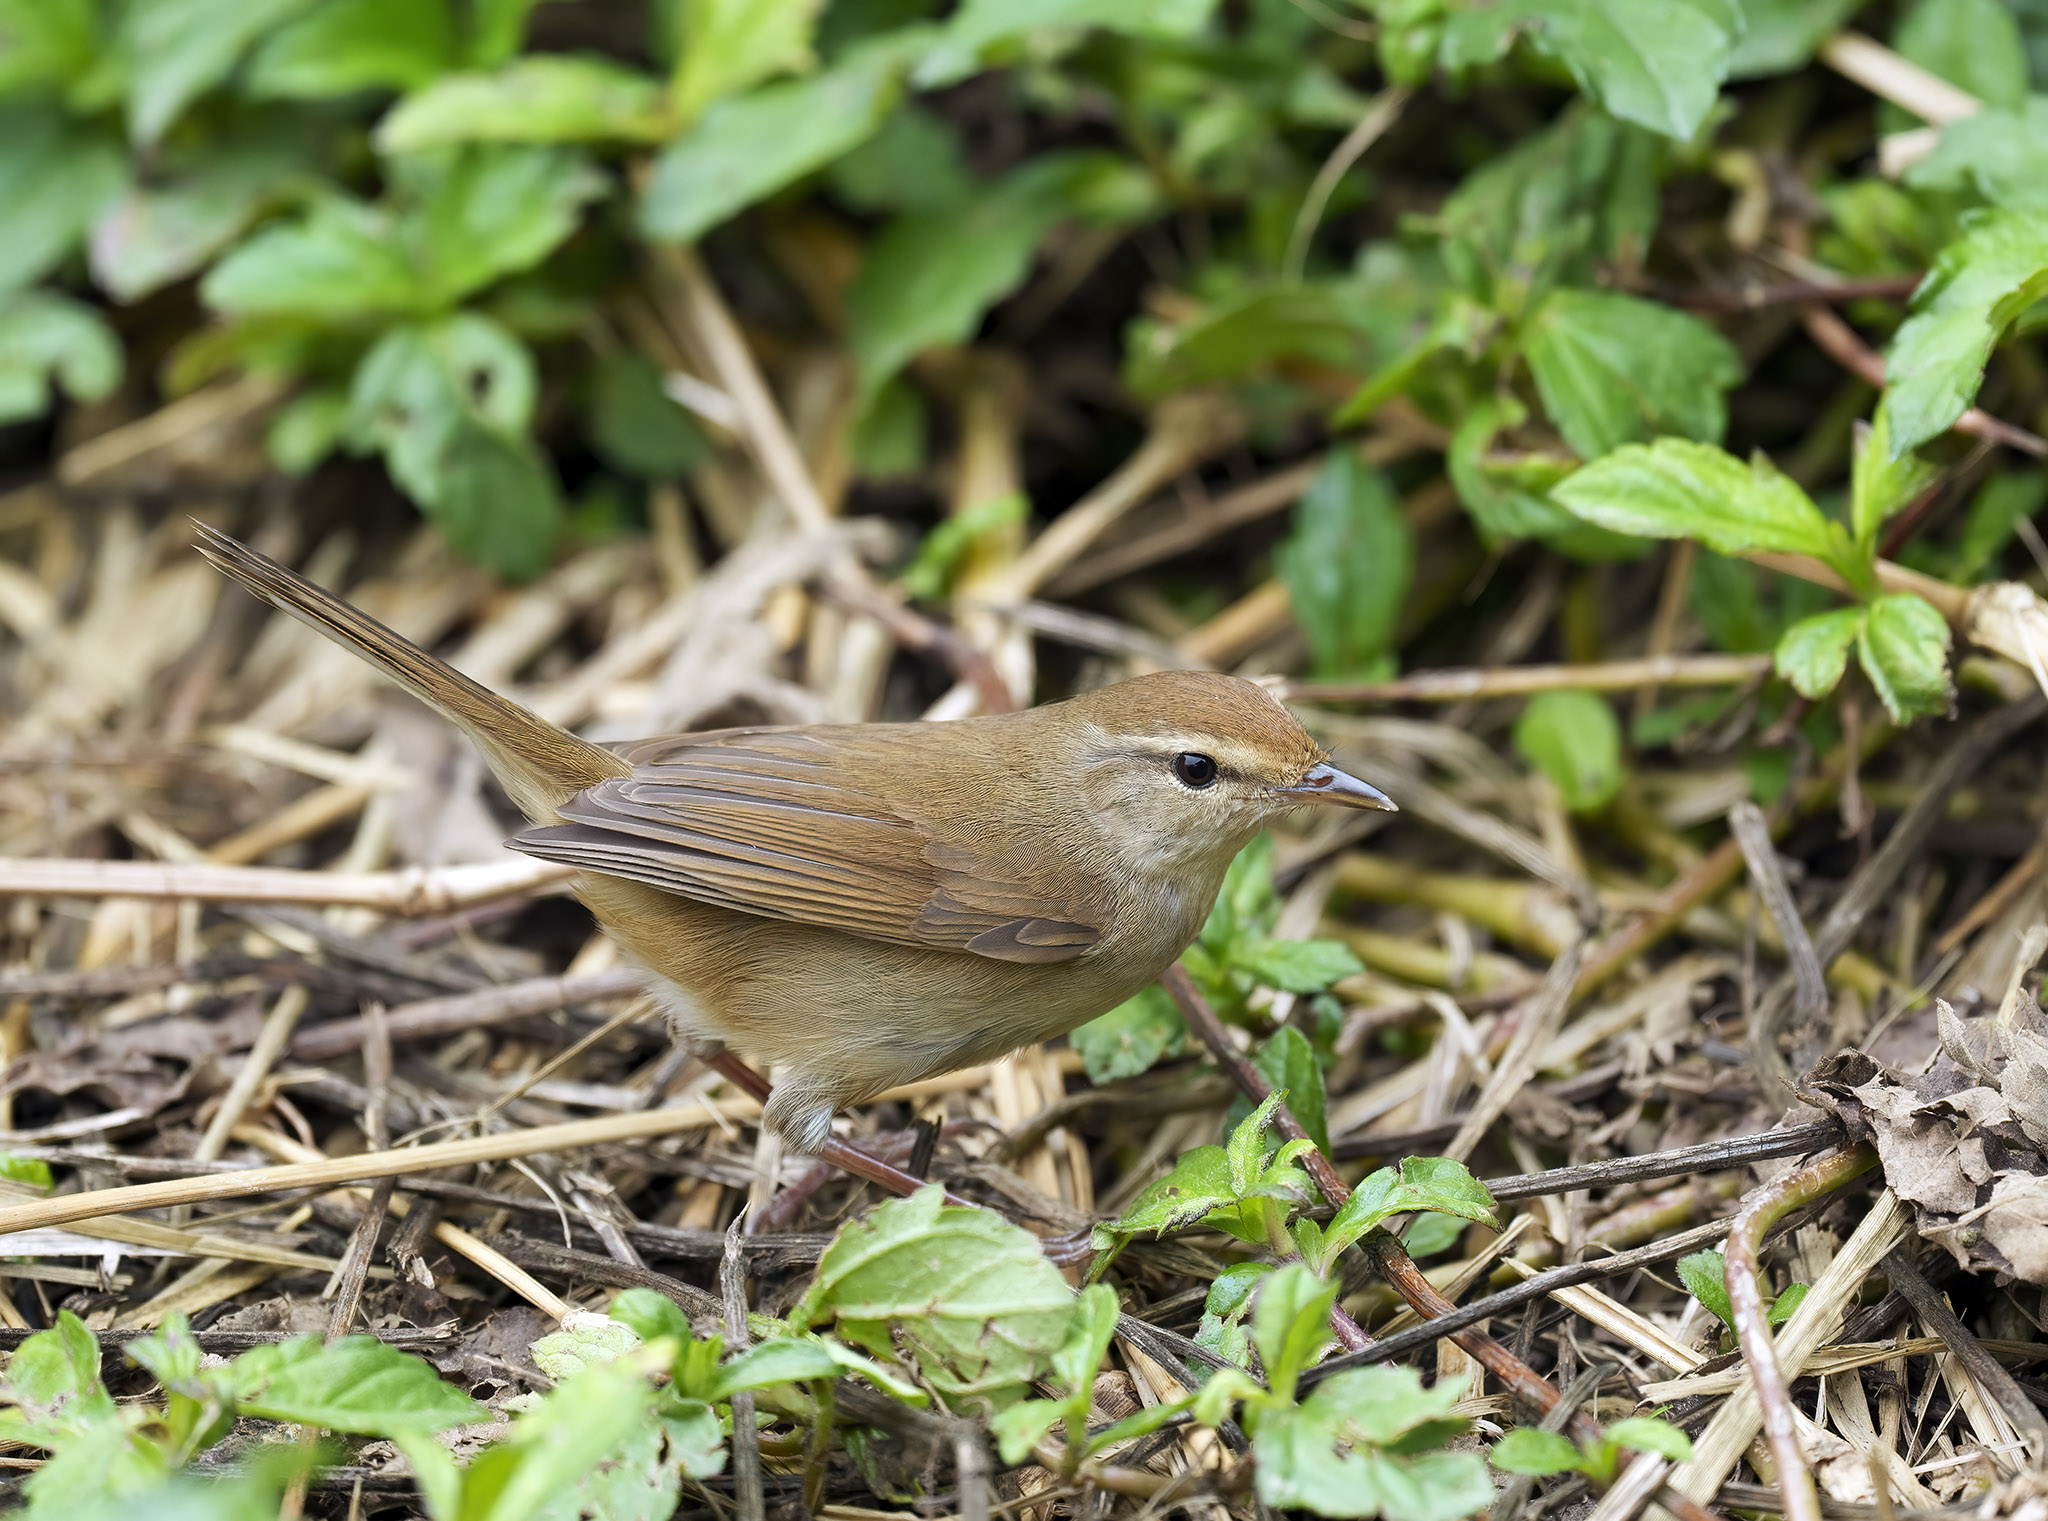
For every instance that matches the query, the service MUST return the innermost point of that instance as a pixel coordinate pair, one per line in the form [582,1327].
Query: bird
[860,906]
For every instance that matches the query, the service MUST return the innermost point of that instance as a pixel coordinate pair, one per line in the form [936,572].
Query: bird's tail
[540,764]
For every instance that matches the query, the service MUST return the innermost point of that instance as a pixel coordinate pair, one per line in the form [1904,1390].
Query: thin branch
[1990,1374]
[1839,342]
[1752,833]
[1753,1330]
[1520,680]
[1380,115]
[413,892]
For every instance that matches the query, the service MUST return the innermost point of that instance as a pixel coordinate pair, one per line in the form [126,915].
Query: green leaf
[784,1360]
[1296,966]
[45,41]
[1613,370]
[1782,1307]
[754,145]
[1078,1359]
[496,209]
[1972,43]
[1135,1036]
[1423,1183]
[1779,36]
[340,262]
[1244,1154]
[355,1384]
[1676,489]
[1532,1450]
[1979,284]
[55,179]
[939,554]
[54,1367]
[2001,503]
[1643,1433]
[1386,1407]
[155,234]
[1288,1062]
[979,29]
[1346,564]
[179,49]
[557,1448]
[1903,648]
[634,426]
[344,46]
[967,1296]
[1306,1462]
[731,44]
[496,499]
[414,389]
[2001,155]
[1659,63]
[913,162]
[45,337]
[1291,1325]
[640,1478]
[1200,1182]
[588,1341]
[1573,738]
[654,1316]
[544,98]
[1240,337]
[33,1171]
[496,30]
[1881,482]
[1020,1428]
[1814,651]
[307,429]
[1705,1276]
[1431,1234]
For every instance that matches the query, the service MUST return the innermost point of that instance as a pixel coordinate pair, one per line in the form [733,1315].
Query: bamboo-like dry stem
[414,892]
[1461,685]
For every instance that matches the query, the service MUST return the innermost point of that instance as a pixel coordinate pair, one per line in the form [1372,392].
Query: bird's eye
[1195,770]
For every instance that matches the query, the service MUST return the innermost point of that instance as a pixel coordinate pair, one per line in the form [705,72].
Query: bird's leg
[841,1155]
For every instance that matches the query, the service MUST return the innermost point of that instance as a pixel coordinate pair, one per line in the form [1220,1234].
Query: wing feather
[780,824]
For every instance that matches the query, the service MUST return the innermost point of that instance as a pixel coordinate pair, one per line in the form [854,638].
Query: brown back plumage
[540,764]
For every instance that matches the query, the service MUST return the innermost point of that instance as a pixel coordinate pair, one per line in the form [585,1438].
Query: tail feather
[540,764]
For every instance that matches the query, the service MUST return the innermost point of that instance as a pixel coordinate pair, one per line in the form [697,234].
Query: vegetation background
[1618,422]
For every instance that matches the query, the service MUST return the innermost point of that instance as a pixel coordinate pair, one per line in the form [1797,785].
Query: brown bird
[864,905]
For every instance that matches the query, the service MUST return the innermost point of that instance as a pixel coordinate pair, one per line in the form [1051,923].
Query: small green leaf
[46,337]
[1977,44]
[1979,284]
[912,163]
[1291,1325]
[1447,1186]
[562,1448]
[422,381]
[1705,1276]
[1779,36]
[1245,1152]
[495,209]
[1783,1306]
[355,1384]
[1077,1360]
[587,1342]
[2001,503]
[496,499]
[785,1360]
[343,46]
[56,177]
[1296,966]
[1814,651]
[2001,155]
[1676,489]
[654,1316]
[1615,369]
[1200,1182]
[1240,336]
[1903,648]
[1880,482]
[1431,1234]
[1346,564]
[748,148]
[1573,738]
[543,98]
[980,29]
[1135,1036]
[731,44]
[1288,1062]
[1642,1433]
[969,1297]
[1018,1429]
[54,1367]
[307,429]
[339,262]
[1309,1460]
[634,426]
[939,554]
[1532,1450]
[182,48]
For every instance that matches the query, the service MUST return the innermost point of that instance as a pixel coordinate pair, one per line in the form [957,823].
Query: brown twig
[1753,1330]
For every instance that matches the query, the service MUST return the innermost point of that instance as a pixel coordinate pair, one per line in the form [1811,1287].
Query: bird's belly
[849,1015]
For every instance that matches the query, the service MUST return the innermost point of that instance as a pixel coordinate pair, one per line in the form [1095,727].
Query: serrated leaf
[1532,1450]
[1614,369]
[542,98]
[1346,564]
[1296,966]
[1245,1152]
[1881,482]
[1421,1183]
[748,148]
[1814,652]
[343,46]
[1200,1182]
[1291,1325]
[1676,489]
[1288,1062]
[967,1295]
[1573,738]
[1705,1276]
[1979,284]
[1642,1433]
[731,44]
[355,1384]
[1903,648]
[1131,1038]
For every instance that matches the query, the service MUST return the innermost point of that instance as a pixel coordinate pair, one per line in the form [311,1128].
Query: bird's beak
[1324,783]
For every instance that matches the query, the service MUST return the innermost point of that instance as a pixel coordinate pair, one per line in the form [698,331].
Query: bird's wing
[779,823]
